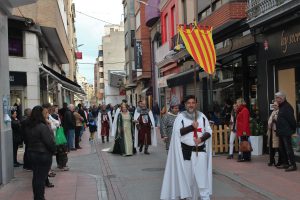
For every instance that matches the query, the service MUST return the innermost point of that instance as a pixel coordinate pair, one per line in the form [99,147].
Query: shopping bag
[60,136]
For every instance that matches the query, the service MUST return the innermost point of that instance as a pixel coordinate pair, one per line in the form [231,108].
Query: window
[132,37]
[126,40]
[15,42]
[138,20]
[125,12]
[184,11]
[100,53]
[166,28]
[173,21]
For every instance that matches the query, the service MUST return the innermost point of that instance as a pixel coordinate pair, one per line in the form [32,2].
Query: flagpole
[195,90]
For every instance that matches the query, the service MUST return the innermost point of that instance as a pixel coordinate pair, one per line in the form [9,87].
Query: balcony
[152,12]
[261,11]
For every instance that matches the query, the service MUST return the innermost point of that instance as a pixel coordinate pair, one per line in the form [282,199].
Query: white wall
[6,150]
[113,59]
[29,64]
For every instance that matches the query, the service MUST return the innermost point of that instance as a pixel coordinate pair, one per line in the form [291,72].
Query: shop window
[15,42]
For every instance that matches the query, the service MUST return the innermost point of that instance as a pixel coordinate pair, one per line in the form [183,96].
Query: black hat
[189,97]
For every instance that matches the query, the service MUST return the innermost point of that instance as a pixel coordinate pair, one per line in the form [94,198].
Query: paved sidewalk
[83,181]
[268,181]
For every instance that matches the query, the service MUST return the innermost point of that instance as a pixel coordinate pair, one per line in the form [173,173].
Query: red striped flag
[199,43]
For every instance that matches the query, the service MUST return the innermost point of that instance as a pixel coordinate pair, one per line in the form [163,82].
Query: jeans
[81,131]
[71,138]
[41,164]
[231,142]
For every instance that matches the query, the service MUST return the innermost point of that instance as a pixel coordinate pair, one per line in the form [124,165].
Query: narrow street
[96,174]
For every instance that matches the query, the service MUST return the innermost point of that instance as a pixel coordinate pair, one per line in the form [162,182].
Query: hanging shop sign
[138,55]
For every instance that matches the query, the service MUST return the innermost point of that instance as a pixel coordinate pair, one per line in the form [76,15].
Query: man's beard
[191,110]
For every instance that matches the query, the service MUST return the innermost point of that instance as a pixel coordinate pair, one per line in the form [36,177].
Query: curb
[243,182]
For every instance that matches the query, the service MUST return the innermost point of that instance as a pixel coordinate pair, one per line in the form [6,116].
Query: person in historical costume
[188,172]
[167,121]
[104,124]
[273,140]
[145,133]
[123,132]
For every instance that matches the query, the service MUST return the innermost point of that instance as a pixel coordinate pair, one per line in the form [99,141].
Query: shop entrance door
[287,84]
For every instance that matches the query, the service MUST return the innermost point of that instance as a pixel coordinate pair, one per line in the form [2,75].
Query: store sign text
[288,40]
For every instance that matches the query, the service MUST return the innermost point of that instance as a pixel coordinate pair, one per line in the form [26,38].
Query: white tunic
[178,177]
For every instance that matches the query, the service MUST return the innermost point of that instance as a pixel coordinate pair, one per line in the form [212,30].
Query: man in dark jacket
[69,127]
[285,128]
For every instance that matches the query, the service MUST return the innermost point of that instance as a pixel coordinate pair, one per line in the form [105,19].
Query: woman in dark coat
[17,135]
[41,148]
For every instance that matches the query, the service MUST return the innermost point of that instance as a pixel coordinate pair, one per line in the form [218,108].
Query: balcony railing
[176,39]
[260,7]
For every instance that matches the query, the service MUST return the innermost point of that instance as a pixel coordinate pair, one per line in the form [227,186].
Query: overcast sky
[89,31]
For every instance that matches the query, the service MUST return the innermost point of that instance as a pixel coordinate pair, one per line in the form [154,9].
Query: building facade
[42,48]
[129,42]
[6,150]
[113,61]
[276,30]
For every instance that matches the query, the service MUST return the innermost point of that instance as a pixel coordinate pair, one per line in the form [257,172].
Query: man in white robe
[188,172]
[104,124]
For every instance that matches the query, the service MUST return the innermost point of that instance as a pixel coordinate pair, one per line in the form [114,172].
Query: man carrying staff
[188,172]
[145,133]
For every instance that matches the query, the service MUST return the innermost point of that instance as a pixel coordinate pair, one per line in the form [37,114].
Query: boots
[146,150]
[103,141]
[141,148]
[107,139]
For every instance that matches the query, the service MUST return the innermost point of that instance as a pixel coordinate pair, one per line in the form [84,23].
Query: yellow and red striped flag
[199,43]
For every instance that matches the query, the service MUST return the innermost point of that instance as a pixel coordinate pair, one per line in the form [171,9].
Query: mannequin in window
[18,108]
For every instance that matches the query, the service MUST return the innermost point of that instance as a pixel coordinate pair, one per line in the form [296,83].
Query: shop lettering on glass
[288,39]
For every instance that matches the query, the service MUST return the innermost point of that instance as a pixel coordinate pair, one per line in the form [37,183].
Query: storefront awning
[183,78]
[66,83]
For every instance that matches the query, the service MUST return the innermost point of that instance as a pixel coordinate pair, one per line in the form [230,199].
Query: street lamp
[79,45]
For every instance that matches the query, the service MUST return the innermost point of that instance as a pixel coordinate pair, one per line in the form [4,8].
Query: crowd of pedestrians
[47,131]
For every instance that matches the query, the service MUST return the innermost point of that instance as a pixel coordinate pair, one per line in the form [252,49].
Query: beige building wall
[48,13]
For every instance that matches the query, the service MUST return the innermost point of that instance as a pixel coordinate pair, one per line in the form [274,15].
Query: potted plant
[257,131]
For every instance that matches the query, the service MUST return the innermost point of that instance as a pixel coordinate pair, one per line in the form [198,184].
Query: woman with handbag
[243,130]
[273,140]
[61,147]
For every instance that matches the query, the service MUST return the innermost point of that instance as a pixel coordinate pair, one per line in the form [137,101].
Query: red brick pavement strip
[69,185]
[112,183]
[268,181]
